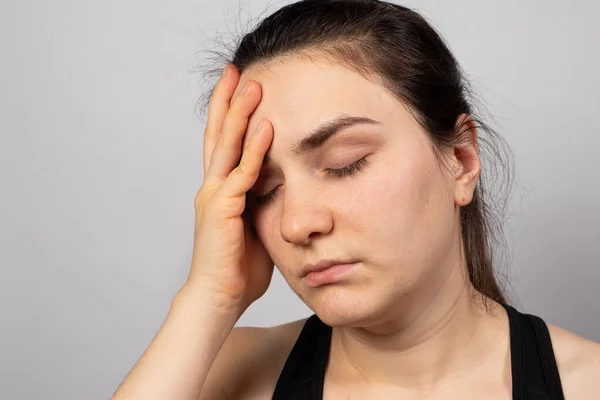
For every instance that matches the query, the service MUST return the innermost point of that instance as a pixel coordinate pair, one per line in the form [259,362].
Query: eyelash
[335,173]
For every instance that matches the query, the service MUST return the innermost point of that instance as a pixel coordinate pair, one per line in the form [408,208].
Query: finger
[227,151]
[217,110]
[244,176]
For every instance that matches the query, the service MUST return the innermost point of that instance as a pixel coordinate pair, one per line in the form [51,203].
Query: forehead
[299,94]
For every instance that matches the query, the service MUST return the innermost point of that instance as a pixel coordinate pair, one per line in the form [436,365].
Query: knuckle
[199,200]
[221,144]
[246,170]
[243,169]
[203,197]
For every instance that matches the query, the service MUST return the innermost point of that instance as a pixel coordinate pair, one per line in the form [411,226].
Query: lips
[334,274]
[323,265]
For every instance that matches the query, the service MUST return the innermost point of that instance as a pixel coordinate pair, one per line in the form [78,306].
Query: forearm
[178,360]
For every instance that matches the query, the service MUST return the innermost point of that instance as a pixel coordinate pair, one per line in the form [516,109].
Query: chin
[340,307]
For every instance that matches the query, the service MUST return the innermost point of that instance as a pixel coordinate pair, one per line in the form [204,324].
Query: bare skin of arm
[178,360]
[250,361]
[578,361]
[222,362]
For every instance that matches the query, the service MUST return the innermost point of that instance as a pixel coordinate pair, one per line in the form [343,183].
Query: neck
[452,334]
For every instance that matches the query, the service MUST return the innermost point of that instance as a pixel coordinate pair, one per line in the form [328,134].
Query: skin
[406,321]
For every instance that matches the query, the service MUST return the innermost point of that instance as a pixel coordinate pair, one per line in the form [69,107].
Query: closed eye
[335,173]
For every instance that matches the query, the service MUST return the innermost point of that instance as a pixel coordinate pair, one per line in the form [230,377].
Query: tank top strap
[303,373]
[534,370]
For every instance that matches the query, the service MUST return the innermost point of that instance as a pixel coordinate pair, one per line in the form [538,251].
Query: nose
[303,216]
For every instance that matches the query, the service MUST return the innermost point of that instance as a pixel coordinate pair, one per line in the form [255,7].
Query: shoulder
[250,361]
[578,361]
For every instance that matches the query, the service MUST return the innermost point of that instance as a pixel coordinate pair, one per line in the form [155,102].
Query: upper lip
[323,264]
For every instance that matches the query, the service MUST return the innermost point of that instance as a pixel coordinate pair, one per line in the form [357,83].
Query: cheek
[406,211]
[397,193]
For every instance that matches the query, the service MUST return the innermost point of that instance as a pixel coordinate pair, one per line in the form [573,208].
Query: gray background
[101,157]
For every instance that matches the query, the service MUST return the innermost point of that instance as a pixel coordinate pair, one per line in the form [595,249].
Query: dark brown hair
[397,47]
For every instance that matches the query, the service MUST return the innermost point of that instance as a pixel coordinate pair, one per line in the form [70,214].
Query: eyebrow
[321,134]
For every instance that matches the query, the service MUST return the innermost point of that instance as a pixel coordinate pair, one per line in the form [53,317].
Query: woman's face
[396,215]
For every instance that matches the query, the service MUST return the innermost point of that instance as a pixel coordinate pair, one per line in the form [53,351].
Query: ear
[466,161]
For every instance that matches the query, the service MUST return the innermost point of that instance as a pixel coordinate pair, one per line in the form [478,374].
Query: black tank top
[534,371]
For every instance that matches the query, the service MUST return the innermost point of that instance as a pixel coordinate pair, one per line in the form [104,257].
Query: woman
[358,178]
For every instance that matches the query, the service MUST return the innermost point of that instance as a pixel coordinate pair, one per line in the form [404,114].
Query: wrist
[195,297]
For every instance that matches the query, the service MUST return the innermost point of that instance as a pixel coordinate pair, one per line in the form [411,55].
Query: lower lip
[329,275]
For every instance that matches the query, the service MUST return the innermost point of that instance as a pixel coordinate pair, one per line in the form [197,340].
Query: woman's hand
[228,258]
